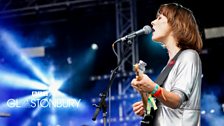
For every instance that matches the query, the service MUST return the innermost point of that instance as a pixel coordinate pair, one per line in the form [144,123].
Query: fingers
[137,103]
[140,111]
[138,108]
[138,88]
[134,85]
[133,82]
[144,85]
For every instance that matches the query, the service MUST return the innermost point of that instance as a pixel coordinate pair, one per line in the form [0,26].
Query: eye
[159,17]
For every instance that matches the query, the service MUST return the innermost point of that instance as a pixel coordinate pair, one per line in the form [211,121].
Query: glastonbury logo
[43,99]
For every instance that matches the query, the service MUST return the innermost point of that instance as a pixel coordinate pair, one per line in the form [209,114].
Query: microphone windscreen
[147,29]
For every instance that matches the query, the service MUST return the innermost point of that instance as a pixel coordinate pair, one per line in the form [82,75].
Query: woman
[179,95]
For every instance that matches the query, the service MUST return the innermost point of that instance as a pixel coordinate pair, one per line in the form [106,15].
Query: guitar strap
[148,119]
[165,72]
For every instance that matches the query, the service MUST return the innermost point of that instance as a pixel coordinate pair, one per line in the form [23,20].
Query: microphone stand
[102,105]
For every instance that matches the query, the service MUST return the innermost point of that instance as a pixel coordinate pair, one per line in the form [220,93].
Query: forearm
[169,99]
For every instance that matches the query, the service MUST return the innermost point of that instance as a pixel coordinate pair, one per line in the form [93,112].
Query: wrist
[158,92]
[155,89]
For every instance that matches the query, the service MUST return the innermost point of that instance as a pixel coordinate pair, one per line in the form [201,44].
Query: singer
[178,96]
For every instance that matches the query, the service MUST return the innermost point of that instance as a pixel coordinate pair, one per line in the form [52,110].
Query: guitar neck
[139,76]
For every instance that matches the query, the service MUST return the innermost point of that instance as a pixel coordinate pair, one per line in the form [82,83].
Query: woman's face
[161,29]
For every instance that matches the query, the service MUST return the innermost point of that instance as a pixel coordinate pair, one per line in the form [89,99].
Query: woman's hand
[144,85]
[138,108]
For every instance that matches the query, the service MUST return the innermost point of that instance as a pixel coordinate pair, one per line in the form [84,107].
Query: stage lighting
[53,88]
[203,112]
[9,79]
[53,119]
[94,46]
[11,42]
[212,111]
[69,60]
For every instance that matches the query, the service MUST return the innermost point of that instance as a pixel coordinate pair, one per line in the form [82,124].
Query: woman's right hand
[138,108]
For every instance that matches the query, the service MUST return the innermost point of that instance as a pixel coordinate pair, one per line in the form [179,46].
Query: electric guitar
[147,99]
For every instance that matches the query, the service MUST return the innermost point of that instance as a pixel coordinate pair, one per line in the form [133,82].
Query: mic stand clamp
[102,106]
[129,42]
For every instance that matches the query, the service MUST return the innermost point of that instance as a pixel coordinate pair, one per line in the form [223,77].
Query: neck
[172,49]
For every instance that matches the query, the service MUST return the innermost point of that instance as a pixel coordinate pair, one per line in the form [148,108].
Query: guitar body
[148,119]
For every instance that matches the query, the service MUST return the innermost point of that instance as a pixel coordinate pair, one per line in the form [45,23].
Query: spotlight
[127,118]
[212,111]
[69,60]
[203,112]
[92,78]
[94,46]
[53,88]
[51,69]
[93,100]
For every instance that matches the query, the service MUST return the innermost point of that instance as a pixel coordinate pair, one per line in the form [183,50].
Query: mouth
[153,29]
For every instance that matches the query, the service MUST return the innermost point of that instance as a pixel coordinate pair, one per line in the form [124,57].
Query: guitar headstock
[139,69]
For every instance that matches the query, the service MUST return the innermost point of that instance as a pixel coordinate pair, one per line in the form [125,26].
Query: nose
[153,22]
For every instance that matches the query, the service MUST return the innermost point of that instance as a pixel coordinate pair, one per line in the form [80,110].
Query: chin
[155,38]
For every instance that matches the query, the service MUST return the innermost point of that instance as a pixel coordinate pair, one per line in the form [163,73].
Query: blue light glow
[18,81]
[94,46]
[11,44]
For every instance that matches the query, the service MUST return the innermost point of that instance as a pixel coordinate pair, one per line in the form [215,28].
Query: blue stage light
[94,46]
[11,44]
[13,80]
[53,120]
[45,94]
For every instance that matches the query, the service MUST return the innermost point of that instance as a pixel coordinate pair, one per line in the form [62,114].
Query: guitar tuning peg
[142,63]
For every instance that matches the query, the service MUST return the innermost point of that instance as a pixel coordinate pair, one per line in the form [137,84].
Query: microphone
[145,30]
